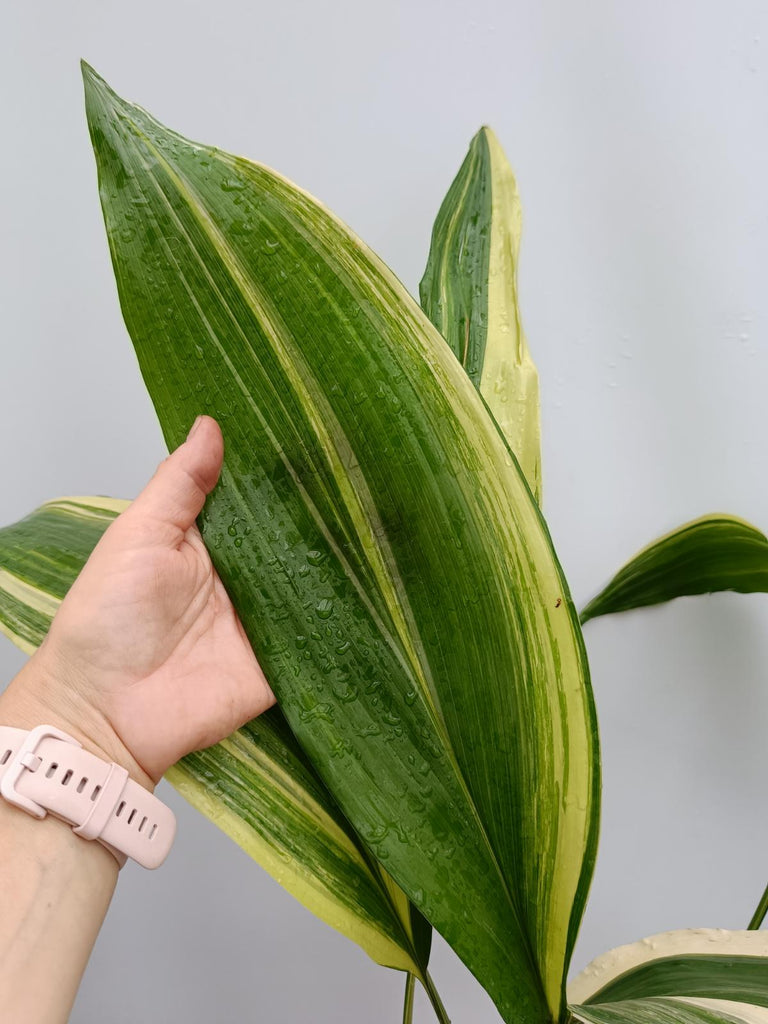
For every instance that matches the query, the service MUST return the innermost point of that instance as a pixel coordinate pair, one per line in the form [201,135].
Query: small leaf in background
[469,292]
[257,785]
[384,553]
[761,910]
[702,974]
[708,555]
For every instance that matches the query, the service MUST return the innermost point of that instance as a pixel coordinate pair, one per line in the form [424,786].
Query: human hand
[146,659]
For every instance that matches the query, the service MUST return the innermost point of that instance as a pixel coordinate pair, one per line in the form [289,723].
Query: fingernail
[194,426]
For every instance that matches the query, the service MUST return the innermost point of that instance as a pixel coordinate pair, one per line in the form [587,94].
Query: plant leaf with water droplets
[383,551]
[257,785]
[469,292]
[708,555]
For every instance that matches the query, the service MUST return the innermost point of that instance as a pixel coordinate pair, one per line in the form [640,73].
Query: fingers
[176,493]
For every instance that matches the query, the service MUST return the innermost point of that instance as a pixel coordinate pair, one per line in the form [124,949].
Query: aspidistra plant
[370,525]
[435,757]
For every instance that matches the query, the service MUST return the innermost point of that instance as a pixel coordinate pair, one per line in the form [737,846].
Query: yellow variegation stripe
[17,638]
[469,291]
[28,595]
[20,598]
[509,381]
[98,507]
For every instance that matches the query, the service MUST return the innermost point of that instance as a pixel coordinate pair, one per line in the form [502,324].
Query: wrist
[39,695]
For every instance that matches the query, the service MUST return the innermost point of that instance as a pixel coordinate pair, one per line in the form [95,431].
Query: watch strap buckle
[26,759]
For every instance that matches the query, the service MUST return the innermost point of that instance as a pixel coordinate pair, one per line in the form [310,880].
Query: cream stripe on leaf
[100,506]
[391,570]
[469,292]
[257,785]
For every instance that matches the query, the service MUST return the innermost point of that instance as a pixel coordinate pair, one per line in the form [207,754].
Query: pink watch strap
[45,770]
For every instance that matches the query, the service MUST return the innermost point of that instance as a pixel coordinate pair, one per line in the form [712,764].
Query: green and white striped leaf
[379,542]
[256,785]
[707,555]
[41,556]
[469,292]
[672,1010]
[684,976]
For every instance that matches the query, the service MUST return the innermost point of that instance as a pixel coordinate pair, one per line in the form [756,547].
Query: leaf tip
[91,78]
[98,95]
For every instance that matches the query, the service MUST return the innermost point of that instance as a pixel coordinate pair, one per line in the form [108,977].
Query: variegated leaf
[388,563]
[710,554]
[469,292]
[697,975]
[257,785]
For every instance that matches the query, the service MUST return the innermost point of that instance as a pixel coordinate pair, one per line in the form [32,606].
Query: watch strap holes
[51,769]
[5,756]
[67,776]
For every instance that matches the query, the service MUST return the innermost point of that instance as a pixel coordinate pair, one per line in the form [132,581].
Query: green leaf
[742,978]
[469,292]
[760,911]
[40,557]
[473,262]
[668,1011]
[257,785]
[701,971]
[384,553]
[705,556]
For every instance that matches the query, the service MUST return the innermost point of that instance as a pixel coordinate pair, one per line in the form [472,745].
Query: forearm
[55,888]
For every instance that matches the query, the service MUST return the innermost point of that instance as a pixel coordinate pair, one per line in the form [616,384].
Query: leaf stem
[410,988]
[434,998]
[759,915]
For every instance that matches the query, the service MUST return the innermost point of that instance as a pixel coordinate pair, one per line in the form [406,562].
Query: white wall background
[638,134]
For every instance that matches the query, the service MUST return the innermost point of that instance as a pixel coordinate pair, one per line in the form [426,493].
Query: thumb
[176,493]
